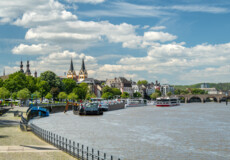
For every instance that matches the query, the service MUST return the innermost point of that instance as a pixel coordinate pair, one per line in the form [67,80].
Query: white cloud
[34,49]
[124,9]
[157,28]
[80,34]
[145,27]
[13,9]
[199,8]
[86,1]
[158,36]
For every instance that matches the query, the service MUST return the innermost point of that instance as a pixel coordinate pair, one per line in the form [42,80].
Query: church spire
[71,66]
[35,74]
[83,65]
[28,73]
[21,67]
[83,73]
[71,73]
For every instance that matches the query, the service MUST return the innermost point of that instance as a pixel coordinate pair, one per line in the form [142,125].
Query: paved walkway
[29,148]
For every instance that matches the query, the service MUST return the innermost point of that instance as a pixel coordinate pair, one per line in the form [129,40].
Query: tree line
[48,85]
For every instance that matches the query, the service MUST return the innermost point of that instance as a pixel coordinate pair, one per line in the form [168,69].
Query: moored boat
[167,101]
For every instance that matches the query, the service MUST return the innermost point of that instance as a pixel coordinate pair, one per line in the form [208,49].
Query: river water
[190,131]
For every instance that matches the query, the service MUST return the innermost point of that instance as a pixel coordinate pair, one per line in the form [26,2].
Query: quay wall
[61,108]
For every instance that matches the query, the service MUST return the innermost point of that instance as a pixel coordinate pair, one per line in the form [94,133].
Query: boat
[135,102]
[167,101]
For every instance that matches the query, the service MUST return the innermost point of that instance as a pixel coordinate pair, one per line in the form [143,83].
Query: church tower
[71,73]
[28,73]
[83,73]
[4,73]
[35,74]
[21,67]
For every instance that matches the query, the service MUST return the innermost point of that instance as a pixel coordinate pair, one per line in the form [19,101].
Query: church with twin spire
[82,73]
[27,72]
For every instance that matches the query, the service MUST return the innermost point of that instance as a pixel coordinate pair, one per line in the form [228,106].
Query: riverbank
[17,145]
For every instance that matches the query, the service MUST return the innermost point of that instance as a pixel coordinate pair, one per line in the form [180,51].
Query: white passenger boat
[167,101]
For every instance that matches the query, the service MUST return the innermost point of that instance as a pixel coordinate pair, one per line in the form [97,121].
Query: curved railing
[76,150]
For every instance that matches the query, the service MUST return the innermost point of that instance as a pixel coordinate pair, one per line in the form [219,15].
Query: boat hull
[166,105]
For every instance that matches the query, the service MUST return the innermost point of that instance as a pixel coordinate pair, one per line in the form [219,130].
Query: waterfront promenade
[18,145]
[191,131]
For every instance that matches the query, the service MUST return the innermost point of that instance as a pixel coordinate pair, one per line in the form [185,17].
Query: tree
[144,82]
[54,91]
[43,87]
[72,96]
[137,94]
[48,96]
[125,95]
[116,91]
[197,91]
[52,79]
[107,89]
[1,82]
[90,95]
[183,92]
[69,85]
[159,92]
[169,94]
[154,95]
[14,95]
[36,95]
[31,83]
[177,91]
[81,90]
[62,95]
[15,82]
[23,94]
[4,93]
[107,95]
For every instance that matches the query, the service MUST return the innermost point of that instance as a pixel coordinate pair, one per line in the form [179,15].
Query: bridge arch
[195,98]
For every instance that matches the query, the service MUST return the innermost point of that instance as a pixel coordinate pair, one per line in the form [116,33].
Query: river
[190,131]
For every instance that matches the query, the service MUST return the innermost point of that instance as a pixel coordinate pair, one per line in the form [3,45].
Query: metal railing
[76,150]
[51,104]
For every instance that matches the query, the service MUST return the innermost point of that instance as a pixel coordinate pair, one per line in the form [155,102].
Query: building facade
[165,89]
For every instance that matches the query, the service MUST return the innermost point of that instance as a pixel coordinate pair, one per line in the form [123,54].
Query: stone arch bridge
[203,97]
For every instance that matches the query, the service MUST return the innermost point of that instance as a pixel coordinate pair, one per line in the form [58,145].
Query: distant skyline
[175,42]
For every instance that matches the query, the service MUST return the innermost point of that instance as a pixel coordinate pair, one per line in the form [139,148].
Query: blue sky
[175,42]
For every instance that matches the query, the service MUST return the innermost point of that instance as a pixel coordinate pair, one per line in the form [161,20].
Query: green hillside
[218,86]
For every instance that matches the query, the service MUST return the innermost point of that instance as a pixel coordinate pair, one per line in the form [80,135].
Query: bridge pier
[202,100]
[185,100]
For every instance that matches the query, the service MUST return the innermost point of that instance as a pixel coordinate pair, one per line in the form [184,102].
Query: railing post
[104,156]
[51,137]
[87,154]
[70,147]
[98,155]
[57,141]
[92,154]
[54,140]
[82,151]
[66,144]
[111,157]
[73,148]
[63,147]
[78,150]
